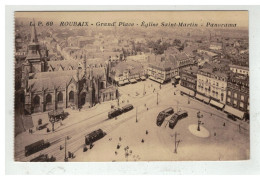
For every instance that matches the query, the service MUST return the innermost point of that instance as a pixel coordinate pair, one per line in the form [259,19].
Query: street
[229,142]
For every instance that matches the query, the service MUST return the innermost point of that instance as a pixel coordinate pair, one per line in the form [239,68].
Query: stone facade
[189,77]
[51,85]
[238,92]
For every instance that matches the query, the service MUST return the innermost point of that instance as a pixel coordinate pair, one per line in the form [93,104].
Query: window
[242,97]
[48,99]
[228,99]
[235,102]
[60,97]
[71,96]
[235,95]
[222,96]
[241,104]
[36,100]
[217,84]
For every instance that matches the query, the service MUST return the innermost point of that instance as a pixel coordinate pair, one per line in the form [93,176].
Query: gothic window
[71,96]
[60,97]
[48,99]
[36,100]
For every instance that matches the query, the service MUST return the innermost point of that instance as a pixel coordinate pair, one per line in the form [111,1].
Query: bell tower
[34,61]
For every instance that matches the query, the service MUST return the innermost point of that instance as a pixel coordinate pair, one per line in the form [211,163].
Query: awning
[133,80]
[234,111]
[217,104]
[202,98]
[187,91]
[126,81]
[157,80]
[121,82]
[143,78]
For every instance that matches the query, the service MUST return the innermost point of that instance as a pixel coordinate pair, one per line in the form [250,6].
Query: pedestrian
[142,141]
[224,124]
[118,146]
[215,134]
[85,149]
[146,132]
[120,139]
[115,152]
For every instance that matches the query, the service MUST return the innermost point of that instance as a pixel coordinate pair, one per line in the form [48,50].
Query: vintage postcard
[117,86]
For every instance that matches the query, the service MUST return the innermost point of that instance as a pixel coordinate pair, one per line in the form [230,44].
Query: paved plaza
[138,136]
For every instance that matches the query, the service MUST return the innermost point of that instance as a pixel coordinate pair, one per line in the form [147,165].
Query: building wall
[159,74]
[107,96]
[212,87]
[188,80]
[239,70]
[237,97]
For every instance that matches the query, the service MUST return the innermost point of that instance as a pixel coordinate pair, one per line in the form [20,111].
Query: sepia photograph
[131,86]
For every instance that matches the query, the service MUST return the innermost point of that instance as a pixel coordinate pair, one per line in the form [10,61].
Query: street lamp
[52,121]
[199,123]
[176,142]
[157,99]
[136,116]
[144,89]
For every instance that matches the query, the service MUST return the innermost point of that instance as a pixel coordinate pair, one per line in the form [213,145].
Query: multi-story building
[216,46]
[238,93]
[189,77]
[161,69]
[212,83]
[244,70]
[127,72]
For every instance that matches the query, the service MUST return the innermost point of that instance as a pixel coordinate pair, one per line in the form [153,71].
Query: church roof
[60,79]
[49,84]
[66,64]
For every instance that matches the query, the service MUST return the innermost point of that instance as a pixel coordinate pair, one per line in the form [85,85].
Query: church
[52,85]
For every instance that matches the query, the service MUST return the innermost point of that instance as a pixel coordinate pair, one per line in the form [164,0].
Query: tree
[176,42]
